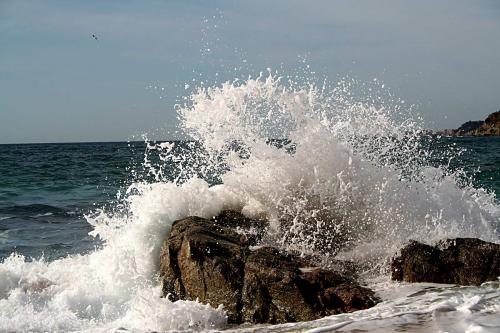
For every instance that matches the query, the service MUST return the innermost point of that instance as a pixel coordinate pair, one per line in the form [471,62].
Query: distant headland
[488,127]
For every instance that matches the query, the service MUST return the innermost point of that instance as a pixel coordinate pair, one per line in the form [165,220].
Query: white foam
[116,286]
[353,161]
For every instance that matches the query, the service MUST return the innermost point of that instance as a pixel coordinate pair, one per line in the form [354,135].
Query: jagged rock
[211,260]
[277,289]
[469,126]
[202,260]
[251,228]
[464,261]
[271,290]
[491,126]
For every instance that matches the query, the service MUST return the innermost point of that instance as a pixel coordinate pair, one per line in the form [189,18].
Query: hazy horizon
[59,84]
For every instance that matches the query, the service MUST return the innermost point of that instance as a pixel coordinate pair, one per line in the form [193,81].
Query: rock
[271,290]
[469,126]
[489,127]
[201,260]
[277,290]
[251,228]
[463,261]
[417,263]
[211,260]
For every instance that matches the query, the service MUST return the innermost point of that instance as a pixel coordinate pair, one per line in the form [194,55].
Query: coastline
[476,128]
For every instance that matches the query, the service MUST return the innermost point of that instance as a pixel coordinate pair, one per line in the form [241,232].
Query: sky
[59,84]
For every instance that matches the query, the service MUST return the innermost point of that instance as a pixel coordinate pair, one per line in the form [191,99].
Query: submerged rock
[212,261]
[463,261]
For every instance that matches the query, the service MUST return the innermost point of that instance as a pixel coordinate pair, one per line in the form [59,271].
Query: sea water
[81,225]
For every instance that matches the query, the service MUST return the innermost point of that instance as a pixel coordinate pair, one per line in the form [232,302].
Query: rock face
[210,261]
[203,260]
[491,126]
[464,261]
[468,127]
[277,289]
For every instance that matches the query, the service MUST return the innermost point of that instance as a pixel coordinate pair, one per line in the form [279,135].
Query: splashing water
[356,172]
[336,172]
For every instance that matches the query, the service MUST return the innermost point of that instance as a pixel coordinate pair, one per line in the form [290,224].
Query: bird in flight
[94,36]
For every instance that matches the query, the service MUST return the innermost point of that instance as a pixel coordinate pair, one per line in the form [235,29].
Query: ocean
[81,224]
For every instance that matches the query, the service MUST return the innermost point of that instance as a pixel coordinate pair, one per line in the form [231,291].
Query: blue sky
[58,84]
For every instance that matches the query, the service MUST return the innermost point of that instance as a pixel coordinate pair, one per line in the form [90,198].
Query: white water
[358,170]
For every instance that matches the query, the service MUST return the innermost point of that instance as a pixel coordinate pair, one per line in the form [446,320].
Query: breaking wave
[337,169]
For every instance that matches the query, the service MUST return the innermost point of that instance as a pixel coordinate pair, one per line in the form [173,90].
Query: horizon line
[76,142]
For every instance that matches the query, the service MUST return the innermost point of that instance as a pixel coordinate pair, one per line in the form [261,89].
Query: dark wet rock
[212,261]
[202,260]
[232,219]
[463,261]
[271,291]
[328,262]
[277,290]
[251,228]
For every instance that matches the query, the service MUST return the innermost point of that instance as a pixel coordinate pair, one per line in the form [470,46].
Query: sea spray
[115,286]
[337,173]
[359,169]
